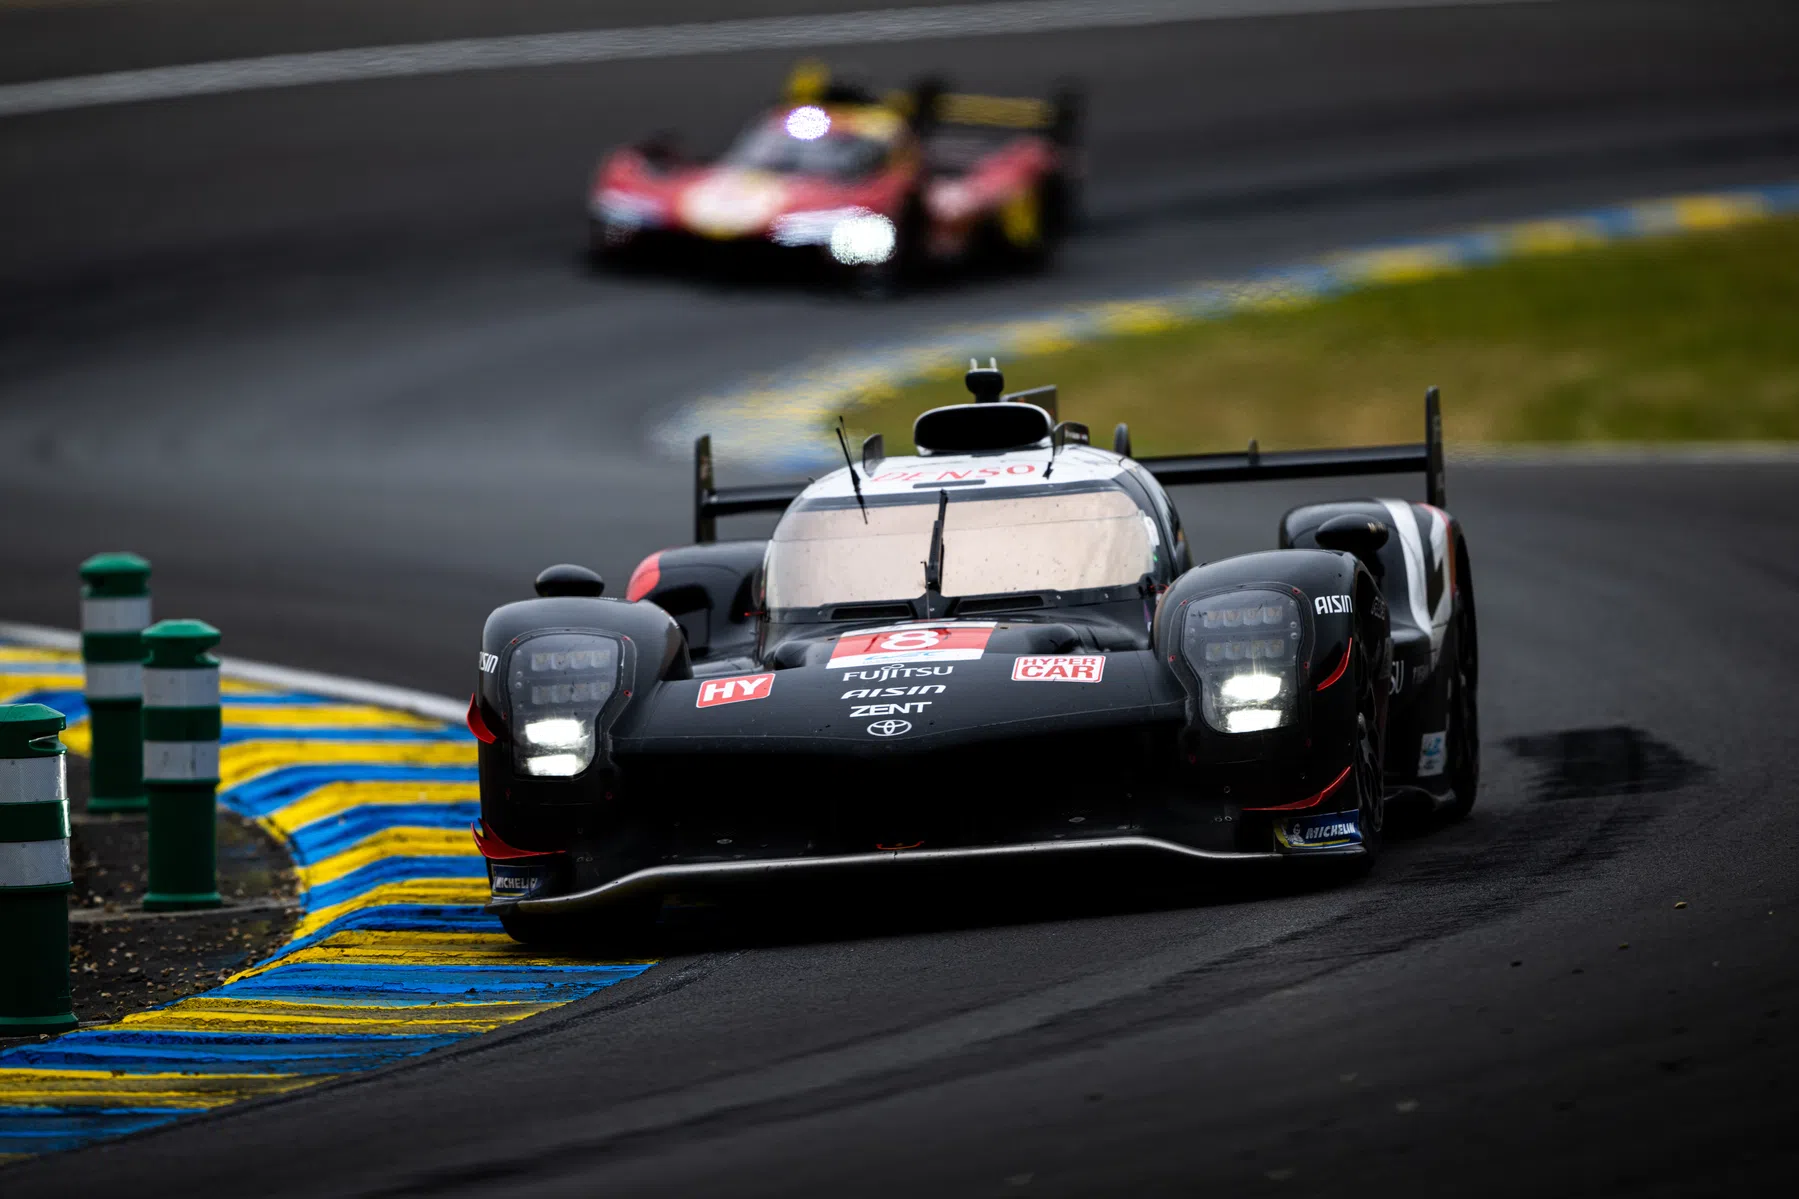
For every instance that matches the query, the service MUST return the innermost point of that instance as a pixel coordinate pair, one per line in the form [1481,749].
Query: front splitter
[641,883]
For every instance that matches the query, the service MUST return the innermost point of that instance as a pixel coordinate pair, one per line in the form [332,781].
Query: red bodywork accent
[476,725]
[1312,802]
[645,577]
[1341,666]
[494,849]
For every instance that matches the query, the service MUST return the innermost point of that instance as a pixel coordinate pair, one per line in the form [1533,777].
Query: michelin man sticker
[1329,831]
[1431,757]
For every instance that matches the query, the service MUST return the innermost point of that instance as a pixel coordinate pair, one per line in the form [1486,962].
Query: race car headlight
[863,240]
[1244,647]
[558,683]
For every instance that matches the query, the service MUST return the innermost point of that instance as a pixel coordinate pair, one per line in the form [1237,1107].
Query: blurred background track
[330,357]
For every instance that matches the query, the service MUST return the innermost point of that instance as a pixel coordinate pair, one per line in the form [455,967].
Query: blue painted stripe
[392,870]
[234,733]
[322,838]
[227,1053]
[265,793]
[54,1129]
[313,982]
[283,698]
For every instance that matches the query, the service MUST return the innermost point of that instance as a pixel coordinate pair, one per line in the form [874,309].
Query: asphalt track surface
[328,356]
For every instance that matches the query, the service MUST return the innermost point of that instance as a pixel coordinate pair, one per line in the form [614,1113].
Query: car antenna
[855,482]
[933,564]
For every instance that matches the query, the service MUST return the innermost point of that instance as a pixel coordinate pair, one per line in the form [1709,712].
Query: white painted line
[358,691]
[658,41]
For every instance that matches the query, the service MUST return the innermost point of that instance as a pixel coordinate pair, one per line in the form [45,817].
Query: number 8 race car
[1012,603]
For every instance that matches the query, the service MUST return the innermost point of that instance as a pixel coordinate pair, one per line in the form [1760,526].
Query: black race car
[998,649]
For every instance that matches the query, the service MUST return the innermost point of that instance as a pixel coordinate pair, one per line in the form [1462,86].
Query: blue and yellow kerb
[393,956]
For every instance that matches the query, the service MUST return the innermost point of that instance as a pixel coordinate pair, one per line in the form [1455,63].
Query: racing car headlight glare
[1250,688]
[557,765]
[812,227]
[558,732]
[1252,720]
[863,240]
[808,123]
[559,684]
[1244,648]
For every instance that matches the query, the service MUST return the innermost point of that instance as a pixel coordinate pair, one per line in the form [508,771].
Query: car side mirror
[1358,535]
[567,579]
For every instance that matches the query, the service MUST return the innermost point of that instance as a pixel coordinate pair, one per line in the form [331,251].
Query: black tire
[1048,201]
[1369,777]
[1463,767]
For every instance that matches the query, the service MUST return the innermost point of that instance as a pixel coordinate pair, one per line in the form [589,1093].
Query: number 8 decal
[912,639]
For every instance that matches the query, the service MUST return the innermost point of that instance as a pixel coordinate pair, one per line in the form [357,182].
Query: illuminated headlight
[863,240]
[558,684]
[1244,647]
[811,228]
[627,210]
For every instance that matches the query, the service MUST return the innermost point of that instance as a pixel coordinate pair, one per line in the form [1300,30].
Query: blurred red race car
[878,189]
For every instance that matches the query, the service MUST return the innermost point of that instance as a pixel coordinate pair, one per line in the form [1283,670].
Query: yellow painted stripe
[1717,212]
[23,684]
[246,760]
[24,653]
[209,1014]
[471,890]
[366,947]
[1556,235]
[79,737]
[1400,264]
[335,798]
[103,1088]
[323,716]
[401,842]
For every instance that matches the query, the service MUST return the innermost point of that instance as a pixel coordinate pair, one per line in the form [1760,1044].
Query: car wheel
[1370,783]
[1027,228]
[1464,718]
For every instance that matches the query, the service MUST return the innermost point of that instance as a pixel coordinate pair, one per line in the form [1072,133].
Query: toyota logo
[889,728]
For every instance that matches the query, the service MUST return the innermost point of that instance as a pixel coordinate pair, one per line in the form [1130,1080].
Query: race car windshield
[834,155]
[1059,542]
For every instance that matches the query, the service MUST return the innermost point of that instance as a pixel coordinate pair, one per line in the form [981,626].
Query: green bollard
[181,764]
[115,608]
[34,873]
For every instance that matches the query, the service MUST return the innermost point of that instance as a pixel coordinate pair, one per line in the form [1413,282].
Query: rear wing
[1057,117]
[1254,465]
[711,501]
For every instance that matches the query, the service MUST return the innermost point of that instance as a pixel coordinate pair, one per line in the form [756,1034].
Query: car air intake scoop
[981,428]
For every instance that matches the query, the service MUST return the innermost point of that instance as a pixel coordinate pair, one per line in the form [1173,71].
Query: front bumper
[703,875]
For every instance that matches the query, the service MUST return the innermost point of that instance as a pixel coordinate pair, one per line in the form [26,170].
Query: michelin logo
[1319,832]
[1431,756]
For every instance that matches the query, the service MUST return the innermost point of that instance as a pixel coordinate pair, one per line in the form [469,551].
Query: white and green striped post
[181,764]
[34,873]
[115,610]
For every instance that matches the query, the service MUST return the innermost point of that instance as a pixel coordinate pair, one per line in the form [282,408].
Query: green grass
[1688,338]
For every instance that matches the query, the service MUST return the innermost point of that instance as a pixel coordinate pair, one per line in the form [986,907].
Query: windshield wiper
[933,564]
[855,482]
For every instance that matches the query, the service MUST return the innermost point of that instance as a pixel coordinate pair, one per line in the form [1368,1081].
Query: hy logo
[889,728]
